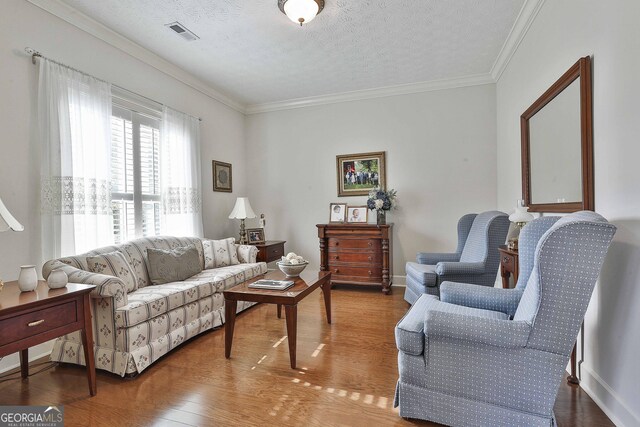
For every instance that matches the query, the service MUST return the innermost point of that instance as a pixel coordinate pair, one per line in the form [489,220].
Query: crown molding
[100,31]
[406,89]
[69,14]
[523,22]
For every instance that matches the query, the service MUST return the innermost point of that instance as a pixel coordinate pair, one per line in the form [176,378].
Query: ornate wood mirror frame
[581,71]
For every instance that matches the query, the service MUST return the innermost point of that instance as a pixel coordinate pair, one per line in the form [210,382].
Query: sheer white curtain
[74,119]
[181,213]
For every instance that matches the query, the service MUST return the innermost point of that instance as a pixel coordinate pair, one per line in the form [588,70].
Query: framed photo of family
[357,174]
[357,214]
[337,213]
[255,235]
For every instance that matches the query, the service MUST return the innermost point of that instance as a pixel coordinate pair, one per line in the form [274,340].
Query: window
[135,174]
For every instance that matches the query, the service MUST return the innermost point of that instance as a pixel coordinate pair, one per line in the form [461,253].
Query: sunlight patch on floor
[279,341]
[317,351]
[368,399]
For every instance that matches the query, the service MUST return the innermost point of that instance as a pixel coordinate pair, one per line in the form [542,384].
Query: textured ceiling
[250,51]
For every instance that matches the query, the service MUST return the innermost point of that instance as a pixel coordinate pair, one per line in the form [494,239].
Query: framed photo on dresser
[357,214]
[337,213]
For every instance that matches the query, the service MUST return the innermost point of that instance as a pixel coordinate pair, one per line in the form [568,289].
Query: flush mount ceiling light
[301,11]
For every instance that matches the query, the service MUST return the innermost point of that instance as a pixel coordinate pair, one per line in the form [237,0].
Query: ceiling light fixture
[301,11]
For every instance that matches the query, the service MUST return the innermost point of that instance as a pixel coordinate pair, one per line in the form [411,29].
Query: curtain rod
[35,54]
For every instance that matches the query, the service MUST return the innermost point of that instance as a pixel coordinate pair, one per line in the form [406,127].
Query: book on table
[278,285]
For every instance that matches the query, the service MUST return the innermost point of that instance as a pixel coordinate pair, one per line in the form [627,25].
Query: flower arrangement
[380,200]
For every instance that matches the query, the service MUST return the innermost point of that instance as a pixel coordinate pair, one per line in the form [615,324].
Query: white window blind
[135,174]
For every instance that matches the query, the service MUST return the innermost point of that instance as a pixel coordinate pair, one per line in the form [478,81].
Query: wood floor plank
[345,376]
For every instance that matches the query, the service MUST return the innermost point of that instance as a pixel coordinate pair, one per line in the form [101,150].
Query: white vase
[57,279]
[28,279]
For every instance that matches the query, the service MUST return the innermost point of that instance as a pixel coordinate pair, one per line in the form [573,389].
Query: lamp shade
[521,216]
[7,221]
[242,209]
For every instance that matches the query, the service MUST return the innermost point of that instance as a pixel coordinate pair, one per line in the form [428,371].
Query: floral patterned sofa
[133,330]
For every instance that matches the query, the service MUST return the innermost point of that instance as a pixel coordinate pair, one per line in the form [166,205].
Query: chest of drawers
[357,254]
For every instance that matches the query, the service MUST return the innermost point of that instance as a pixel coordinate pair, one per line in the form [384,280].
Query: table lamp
[520,218]
[242,210]
[7,222]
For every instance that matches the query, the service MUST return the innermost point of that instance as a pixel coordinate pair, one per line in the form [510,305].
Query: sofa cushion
[410,329]
[220,253]
[173,265]
[151,301]
[423,273]
[114,264]
[148,331]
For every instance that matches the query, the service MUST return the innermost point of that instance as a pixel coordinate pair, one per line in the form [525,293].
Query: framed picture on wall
[255,235]
[357,214]
[337,213]
[222,176]
[357,174]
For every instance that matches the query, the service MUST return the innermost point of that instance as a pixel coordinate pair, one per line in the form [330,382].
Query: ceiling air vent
[182,31]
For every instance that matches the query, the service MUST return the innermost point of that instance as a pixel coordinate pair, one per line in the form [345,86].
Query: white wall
[441,158]
[23,24]
[562,32]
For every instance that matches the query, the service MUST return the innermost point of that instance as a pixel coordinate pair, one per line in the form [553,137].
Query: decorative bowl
[292,270]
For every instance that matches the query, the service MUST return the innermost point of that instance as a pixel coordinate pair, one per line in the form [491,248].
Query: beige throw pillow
[114,264]
[220,253]
[173,265]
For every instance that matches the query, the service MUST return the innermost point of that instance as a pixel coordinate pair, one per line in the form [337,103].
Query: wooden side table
[271,250]
[508,265]
[31,318]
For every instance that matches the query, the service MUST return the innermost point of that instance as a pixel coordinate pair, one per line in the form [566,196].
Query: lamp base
[243,233]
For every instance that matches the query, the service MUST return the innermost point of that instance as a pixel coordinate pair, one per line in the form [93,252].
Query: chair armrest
[430,258]
[106,286]
[498,333]
[483,297]
[451,268]
[247,253]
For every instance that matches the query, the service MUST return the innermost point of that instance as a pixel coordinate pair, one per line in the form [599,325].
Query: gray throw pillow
[174,265]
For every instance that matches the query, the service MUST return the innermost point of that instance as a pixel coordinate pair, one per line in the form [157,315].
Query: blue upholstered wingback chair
[481,356]
[475,261]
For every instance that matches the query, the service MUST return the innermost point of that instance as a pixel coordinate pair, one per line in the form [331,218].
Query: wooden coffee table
[308,282]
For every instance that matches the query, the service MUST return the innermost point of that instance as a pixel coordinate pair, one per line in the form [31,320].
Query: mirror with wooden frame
[557,145]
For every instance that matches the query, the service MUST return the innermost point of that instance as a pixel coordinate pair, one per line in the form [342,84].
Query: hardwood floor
[346,375]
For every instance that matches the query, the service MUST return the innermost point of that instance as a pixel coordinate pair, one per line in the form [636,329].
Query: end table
[508,265]
[271,250]
[31,318]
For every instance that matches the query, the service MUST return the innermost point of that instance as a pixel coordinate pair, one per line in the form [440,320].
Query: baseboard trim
[16,365]
[399,281]
[607,399]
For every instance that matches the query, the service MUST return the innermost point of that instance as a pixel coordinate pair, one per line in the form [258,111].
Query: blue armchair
[475,261]
[481,356]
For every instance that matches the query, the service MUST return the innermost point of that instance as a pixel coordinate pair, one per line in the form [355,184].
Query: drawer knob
[370,258]
[336,270]
[336,257]
[370,244]
[369,272]
[36,323]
